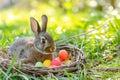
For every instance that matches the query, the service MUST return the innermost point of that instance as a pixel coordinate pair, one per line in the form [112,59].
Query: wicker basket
[75,54]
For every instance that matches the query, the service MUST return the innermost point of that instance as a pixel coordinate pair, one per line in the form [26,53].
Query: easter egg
[38,64]
[68,61]
[56,62]
[47,63]
[63,55]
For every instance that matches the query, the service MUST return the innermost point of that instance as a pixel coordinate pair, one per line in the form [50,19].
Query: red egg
[63,55]
[56,62]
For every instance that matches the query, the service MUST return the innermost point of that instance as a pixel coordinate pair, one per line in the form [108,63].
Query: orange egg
[63,55]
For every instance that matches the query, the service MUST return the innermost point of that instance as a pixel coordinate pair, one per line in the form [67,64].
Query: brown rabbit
[30,50]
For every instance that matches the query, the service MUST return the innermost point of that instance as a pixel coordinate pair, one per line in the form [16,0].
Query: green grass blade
[10,67]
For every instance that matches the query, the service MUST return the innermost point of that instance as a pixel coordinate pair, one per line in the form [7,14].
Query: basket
[76,55]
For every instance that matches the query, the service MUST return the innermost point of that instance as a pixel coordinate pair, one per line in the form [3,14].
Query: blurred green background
[67,18]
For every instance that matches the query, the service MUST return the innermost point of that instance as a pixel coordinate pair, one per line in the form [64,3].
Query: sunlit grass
[15,23]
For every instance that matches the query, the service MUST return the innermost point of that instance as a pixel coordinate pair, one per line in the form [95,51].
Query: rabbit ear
[44,22]
[35,26]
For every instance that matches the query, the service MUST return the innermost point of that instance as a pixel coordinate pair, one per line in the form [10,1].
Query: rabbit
[3,54]
[29,50]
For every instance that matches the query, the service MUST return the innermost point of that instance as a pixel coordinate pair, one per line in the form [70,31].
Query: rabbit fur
[29,50]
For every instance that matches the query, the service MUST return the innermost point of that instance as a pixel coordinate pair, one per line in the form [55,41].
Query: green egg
[39,64]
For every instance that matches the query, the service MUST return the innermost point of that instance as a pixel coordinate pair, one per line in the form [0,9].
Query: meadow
[96,32]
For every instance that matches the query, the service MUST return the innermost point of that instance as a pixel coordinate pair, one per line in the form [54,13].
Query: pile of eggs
[62,57]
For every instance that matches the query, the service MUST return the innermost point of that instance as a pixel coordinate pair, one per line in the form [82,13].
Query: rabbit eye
[43,40]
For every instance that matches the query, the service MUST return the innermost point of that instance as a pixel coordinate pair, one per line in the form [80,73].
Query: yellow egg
[47,63]
[68,61]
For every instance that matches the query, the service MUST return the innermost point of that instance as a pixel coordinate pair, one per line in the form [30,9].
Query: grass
[97,44]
